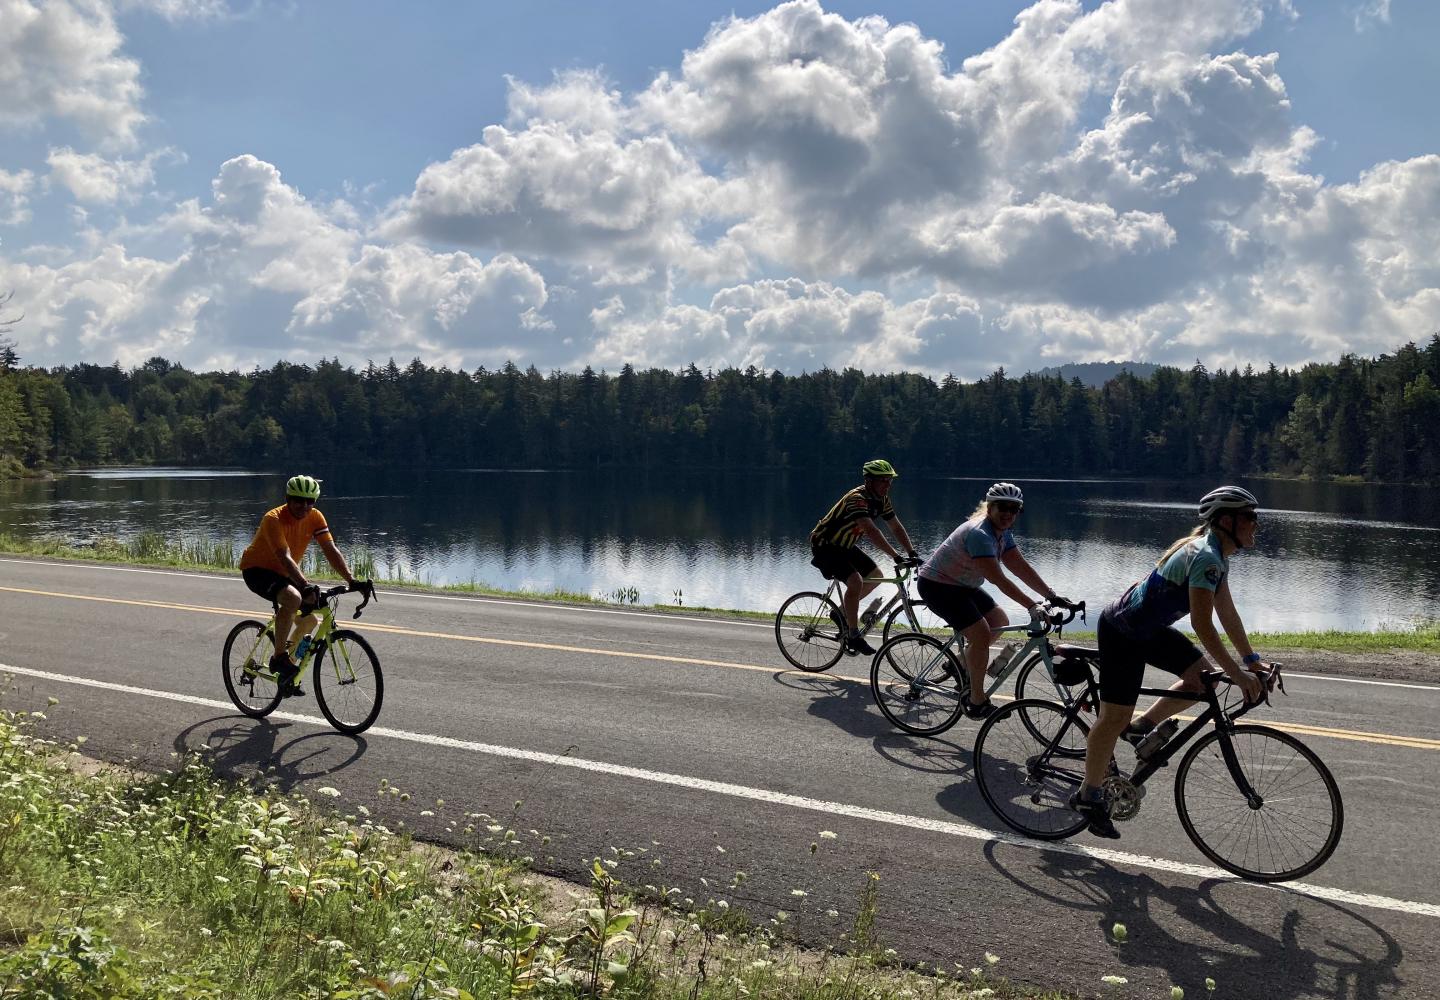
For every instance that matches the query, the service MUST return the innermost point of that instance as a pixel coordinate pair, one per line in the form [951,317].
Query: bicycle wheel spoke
[1027,780]
[245,667]
[1290,828]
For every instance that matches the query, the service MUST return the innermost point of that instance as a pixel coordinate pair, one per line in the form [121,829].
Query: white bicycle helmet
[1005,492]
[1224,498]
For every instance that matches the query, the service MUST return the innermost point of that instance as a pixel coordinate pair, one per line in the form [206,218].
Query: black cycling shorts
[836,562]
[265,582]
[959,607]
[1123,658]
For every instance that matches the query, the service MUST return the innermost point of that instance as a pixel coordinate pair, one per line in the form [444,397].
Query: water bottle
[302,648]
[1002,659]
[1156,738]
[868,618]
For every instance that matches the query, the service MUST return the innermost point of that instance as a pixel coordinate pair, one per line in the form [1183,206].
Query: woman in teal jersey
[1139,628]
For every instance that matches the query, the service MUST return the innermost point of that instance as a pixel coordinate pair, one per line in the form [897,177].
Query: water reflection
[1329,555]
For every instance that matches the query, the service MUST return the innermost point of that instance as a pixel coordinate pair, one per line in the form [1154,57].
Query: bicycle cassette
[1125,797]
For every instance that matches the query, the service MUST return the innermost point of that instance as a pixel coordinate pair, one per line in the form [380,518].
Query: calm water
[1329,555]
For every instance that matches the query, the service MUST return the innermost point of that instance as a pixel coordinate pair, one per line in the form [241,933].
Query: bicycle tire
[350,711]
[1028,790]
[1306,798]
[807,636]
[897,623]
[925,708]
[1062,694]
[255,694]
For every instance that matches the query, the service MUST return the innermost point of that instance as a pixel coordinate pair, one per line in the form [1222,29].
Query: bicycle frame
[319,640]
[901,579]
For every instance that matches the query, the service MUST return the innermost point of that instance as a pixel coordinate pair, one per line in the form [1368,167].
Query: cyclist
[1139,628]
[833,541]
[270,567]
[980,550]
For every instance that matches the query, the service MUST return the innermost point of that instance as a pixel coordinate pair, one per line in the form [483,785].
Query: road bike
[810,626]
[918,679]
[349,686]
[1254,799]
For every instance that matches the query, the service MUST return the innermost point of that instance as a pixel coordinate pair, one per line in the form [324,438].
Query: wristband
[1252,658]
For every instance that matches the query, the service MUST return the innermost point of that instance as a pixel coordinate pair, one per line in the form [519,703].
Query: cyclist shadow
[842,703]
[253,749]
[1189,934]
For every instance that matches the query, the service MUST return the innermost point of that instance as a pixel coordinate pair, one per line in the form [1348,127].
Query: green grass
[153,549]
[181,885]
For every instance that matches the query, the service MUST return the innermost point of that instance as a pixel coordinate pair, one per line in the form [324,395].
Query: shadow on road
[239,747]
[845,704]
[1254,941]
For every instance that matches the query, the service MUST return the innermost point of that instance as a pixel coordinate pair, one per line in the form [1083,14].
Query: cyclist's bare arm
[868,529]
[1017,564]
[292,568]
[1202,610]
[336,560]
[990,569]
[901,535]
[1230,620]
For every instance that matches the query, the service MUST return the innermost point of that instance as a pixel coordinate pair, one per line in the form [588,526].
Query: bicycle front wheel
[1289,830]
[245,666]
[917,683]
[1028,782]
[348,682]
[808,631]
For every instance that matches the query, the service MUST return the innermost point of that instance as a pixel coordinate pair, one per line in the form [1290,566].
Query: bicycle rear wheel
[245,666]
[807,632]
[1292,828]
[1028,782]
[917,683]
[348,684]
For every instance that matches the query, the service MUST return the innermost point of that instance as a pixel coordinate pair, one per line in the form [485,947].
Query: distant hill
[1097,373]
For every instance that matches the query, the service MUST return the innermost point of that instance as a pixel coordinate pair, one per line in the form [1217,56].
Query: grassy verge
[122,886]
[153,549]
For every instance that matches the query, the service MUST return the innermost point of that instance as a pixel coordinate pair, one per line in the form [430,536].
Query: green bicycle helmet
[305,487]
[879,467]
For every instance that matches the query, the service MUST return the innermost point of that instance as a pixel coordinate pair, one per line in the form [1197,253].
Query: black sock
[1088,794]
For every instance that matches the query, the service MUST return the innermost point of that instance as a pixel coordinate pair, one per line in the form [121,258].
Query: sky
[944,186]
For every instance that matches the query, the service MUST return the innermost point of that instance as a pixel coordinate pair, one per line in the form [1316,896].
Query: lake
[1329,555]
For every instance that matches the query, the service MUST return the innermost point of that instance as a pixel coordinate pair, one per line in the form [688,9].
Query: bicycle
[810,630]
[1254,800]
[349,694]
[918,680]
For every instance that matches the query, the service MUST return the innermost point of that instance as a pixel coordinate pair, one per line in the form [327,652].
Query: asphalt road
[684,740]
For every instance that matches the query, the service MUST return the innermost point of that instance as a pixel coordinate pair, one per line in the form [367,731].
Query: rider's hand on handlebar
[1251,684]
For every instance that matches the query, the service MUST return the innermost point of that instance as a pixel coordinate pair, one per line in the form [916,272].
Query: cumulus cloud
[91,177]
[61,59]
[15,189]
[265,274]
[179,10]
[1371,13]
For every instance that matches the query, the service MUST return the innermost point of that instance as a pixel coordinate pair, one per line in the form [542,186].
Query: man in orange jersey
[271,568]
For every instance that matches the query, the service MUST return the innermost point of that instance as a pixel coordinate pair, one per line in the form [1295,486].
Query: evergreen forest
[1373,418]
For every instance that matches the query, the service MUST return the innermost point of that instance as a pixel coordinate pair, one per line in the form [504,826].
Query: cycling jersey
[954,562]
[279,529]
[841,526]
[1163,597]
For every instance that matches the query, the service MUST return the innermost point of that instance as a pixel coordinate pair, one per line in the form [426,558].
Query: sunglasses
[305,500]
[1008,506]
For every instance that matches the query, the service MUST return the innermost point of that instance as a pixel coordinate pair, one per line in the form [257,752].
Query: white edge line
[598,611]
[769,797]
[508,602]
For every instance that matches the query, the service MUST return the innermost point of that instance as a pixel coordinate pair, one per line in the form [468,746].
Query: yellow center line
[1388,739]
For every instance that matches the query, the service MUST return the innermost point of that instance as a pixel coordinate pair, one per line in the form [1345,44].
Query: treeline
[1376,418]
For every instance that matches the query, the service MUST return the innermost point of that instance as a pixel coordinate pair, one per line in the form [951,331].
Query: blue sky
[937,186]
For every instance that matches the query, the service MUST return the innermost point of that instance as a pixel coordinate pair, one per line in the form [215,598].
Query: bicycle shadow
[843,703]
[246,749]
[1190,933]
